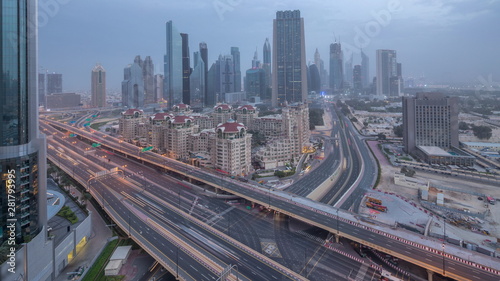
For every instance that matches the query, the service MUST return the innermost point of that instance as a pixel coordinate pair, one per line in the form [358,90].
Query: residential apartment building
[232,150]
[129,122]
[246,114]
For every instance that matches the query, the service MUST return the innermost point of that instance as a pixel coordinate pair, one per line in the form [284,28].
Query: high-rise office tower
[357,77]
[235,52]
[148,69]
[321,67]
[289,74]
[133,86]
[266,66]
[159,87]
[213,85]
[387,73]
[54,83]
[336,67]
[315,79]
[172,89]
[254,82]
[41,89]
[204,57]
[186,69]
[266,52]
[255,60]
[430,119]
[22,147]
[348,72]
[98,87]
[365,70]
[226,77]
[197,81]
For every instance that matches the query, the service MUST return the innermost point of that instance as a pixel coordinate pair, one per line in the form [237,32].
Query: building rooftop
[132,111]
[485,144]
[231,126]
[434,150]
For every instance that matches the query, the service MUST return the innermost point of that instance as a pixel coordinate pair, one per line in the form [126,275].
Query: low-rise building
[271,126]
[274,154]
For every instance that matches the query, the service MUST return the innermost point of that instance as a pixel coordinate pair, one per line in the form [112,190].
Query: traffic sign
[147,148]
[96,144]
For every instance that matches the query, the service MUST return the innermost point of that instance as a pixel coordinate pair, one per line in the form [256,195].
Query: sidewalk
[98,239]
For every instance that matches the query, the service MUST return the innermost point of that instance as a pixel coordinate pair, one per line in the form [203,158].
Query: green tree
[463,126]
[381,136]
[398,131]
[407,171]
[482,132]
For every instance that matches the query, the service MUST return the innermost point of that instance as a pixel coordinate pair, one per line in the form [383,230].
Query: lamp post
[338,230]
[444,239]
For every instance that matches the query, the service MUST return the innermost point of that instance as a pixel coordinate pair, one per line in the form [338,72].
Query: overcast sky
[444,40]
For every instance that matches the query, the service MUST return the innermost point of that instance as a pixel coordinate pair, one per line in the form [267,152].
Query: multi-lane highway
[140,198]
[430,257]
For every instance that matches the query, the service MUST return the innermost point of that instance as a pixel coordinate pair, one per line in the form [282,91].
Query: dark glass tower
[289,59]
[235,52]
[172,82]
[336,67]
[365,70]
[186,69]
[22,147]
[204,57]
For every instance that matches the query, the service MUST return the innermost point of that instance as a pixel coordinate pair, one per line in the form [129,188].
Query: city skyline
[439,30]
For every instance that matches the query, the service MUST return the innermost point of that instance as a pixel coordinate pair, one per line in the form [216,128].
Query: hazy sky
[445,40]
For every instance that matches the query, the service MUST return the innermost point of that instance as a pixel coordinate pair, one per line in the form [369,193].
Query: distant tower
[186,69]
[336,67]
[315,80]
[54,83]
[348,72]
[289,59]
[133,86]
[98,87]
[204,57]
[365,70]
[255,60]
[357,84]
[149,80]
[197,82]
[266,52]
[235,52]
[321,67]
[387,73]
[172,89]
[266,66]
[227,79]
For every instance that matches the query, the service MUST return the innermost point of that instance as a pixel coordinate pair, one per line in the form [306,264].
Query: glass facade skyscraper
[22,147]
[336,67]
[386,73]
[173,83]
[98,86]
[289,59]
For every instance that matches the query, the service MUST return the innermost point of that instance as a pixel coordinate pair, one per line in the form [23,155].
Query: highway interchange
[326,221]
[317,263]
